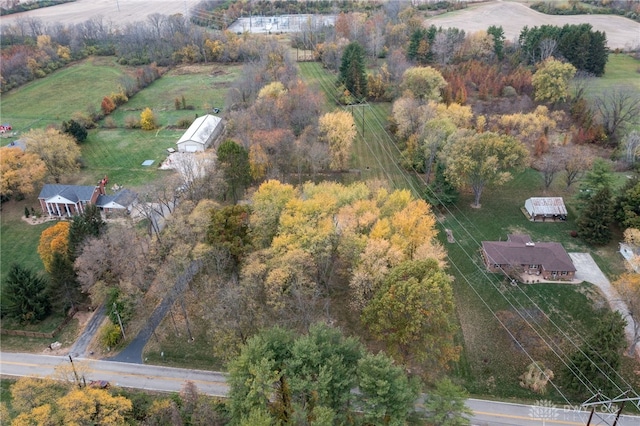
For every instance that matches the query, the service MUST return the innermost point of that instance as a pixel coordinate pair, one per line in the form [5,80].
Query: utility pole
[115,310]
[75,373]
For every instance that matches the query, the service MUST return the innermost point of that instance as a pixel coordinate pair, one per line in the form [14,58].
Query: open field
[118,13]
[621,32]
[55,98]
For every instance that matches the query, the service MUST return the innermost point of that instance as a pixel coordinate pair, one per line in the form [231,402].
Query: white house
[540,209]
[200,134]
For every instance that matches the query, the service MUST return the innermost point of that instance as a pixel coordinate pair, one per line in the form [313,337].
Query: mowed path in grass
[374,153]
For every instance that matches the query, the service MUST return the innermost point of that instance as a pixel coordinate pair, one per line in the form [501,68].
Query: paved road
[149,377]
[486,413]
[79,348]
[133,352]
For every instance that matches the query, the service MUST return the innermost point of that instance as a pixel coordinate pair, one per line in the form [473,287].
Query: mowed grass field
[55,98]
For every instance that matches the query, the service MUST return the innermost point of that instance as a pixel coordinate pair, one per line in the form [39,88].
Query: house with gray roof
[201,134]
[71,200]
[547,260]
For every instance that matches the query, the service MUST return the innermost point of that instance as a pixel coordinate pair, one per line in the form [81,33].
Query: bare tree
[549,166]
[575,163]
[618,108]
[547,48]
[632,147]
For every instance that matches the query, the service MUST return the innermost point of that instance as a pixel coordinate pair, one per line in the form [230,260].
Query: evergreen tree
[441,192]
[352,70]
[64,289]
[417,37]
[627,208]
[498,40]
[87,224]
[75,129]
[599,176]
[595,365]
[24,295]
[234,163]
[594,225]
[446,405]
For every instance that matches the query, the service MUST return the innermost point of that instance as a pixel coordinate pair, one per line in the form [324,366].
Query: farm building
[70,200]
[541,209]
[200,134]
[549,261]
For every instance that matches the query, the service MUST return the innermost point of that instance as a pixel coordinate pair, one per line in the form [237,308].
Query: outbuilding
[545,209]
[201,134]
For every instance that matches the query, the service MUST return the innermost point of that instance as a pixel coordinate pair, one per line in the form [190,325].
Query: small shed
[200,134]
[545,209]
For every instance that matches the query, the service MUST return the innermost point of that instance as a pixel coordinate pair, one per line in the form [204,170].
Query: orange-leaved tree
[53,240]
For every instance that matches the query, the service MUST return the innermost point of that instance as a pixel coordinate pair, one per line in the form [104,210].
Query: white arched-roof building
[200,134]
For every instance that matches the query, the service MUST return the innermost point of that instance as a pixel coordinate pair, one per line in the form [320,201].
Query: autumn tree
[20,172]
[413,314]
[632,147]
[268,202]
[147,119]
[54,239]
[628,286]
[482,160]
[234,162]
[425,83]
[549,166]
[338,129]
[594,223]
[229,230]
[353,70]
[58,151]
[93,406]
[28,393]
[551,81]
[24,295]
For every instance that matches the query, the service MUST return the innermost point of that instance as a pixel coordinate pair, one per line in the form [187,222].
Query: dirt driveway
[587,270]
[621,32]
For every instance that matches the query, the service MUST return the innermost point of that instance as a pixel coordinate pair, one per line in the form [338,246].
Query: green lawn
[119,153]
[621,69]
[55,98]
[18,239]
[203,88]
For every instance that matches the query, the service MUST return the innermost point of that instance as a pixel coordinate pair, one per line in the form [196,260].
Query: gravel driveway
[587,270]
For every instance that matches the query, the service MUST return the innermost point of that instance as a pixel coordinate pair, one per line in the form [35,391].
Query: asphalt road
[149,377]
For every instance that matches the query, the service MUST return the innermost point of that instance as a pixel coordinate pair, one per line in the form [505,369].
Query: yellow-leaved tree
[59,151]
[19,172]
[551,80]
[88,406]
[53,240]
[147,119]
[338,129]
